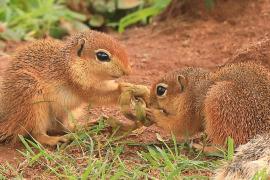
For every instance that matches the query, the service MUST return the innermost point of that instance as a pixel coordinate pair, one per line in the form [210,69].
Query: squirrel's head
[177,97]
[168,93]
[95,56]
[176,90]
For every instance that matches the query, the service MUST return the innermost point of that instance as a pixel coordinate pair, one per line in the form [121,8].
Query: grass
[98,154]
[261,175]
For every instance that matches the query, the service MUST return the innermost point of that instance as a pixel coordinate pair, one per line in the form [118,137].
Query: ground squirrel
[48,78]
[231,101]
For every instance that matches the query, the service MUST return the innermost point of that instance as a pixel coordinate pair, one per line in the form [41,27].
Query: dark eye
[102,56]
[161,90]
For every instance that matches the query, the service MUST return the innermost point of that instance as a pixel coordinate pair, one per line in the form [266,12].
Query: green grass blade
[230,150]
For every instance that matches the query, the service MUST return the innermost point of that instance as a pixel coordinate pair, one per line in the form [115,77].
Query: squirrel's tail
[250,161]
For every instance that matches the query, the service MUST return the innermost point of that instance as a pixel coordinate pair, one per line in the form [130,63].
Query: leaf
[87,171]
[209,4]
[261,175]
[112,24]
[26,145]
[140,111]
[74,15]
[166,158]
[57,32]
[96,21]
[72,26]
[137,16]
[100,6]
[10,34]
[230,150]
[111,6]
[159,137]
[128,4]
[3,2]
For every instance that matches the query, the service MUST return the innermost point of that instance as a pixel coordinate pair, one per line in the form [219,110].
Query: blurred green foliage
[26,19]
[118,13]
[156,7]
[105,12]
[209,4]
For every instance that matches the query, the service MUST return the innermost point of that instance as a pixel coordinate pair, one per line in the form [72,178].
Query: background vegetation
[28,19]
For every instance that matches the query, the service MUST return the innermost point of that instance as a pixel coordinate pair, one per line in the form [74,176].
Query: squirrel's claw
[52,140]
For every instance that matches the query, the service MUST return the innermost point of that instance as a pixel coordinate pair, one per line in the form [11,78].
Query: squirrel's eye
[161,90]
[102,56]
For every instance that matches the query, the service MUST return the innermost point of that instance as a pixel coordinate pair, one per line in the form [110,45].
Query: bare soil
[205,40]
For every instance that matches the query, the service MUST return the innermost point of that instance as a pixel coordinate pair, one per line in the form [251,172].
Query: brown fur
[258,52]
[231,101]
[47,79]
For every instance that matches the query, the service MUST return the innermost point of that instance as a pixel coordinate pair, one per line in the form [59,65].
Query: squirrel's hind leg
[50,140]
[65,121]
[43,123]
[219,111]
[226,106]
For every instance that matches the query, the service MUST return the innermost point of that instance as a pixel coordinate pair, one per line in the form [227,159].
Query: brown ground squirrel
[47,78]
[231,101]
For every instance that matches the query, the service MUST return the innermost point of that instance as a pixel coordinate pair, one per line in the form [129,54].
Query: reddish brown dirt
[164,46]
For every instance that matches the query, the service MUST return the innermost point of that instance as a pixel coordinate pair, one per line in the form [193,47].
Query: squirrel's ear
[182,81]
[80,46]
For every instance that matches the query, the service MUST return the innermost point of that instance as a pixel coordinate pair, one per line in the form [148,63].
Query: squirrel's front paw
[135,90]
[133,101]
[125,86]
[154,114]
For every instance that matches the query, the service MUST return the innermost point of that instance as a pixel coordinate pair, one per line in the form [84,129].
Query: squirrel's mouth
[164,111]
[115,77]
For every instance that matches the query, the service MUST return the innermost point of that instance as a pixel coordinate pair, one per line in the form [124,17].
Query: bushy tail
[251,159]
